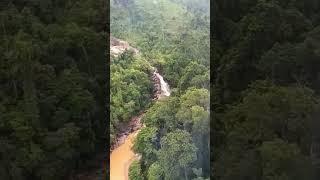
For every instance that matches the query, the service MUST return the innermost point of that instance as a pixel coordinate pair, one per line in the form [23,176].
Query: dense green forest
[130,90]
[52,79]
[266,67]
[173,36]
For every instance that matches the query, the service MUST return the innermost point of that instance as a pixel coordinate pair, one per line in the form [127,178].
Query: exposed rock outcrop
[118,46]
[156,87]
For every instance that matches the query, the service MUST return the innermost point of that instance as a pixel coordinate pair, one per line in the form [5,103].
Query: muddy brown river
[121,158]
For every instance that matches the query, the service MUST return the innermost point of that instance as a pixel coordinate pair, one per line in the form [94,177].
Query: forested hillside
[172,36]
[266,67]
[130,90]
[52,79]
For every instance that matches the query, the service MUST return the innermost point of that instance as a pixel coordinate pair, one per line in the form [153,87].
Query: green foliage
[52,81]
[266,89]
[145,142]
[130,89]
[176,145]
[283,161]
[155,172]
[162,113]
[165,30]
[173,36]
[135,171]
[266,113]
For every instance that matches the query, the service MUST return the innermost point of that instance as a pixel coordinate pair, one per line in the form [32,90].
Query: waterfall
[165,90]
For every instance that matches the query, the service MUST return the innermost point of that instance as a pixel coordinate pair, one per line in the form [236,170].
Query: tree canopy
[52,79]
[266,89]
[172,36]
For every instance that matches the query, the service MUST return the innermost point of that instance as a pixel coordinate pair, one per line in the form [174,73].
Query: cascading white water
[165,90]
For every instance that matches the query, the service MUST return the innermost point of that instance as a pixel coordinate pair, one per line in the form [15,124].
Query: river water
[122,156]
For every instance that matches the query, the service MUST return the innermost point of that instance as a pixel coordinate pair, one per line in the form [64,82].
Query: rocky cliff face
[118,46]
[156,87]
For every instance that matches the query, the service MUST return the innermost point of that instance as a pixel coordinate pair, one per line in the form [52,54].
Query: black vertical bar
[107,162]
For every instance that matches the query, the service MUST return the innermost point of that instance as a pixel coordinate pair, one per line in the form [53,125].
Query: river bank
[122,155]
[135,122]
